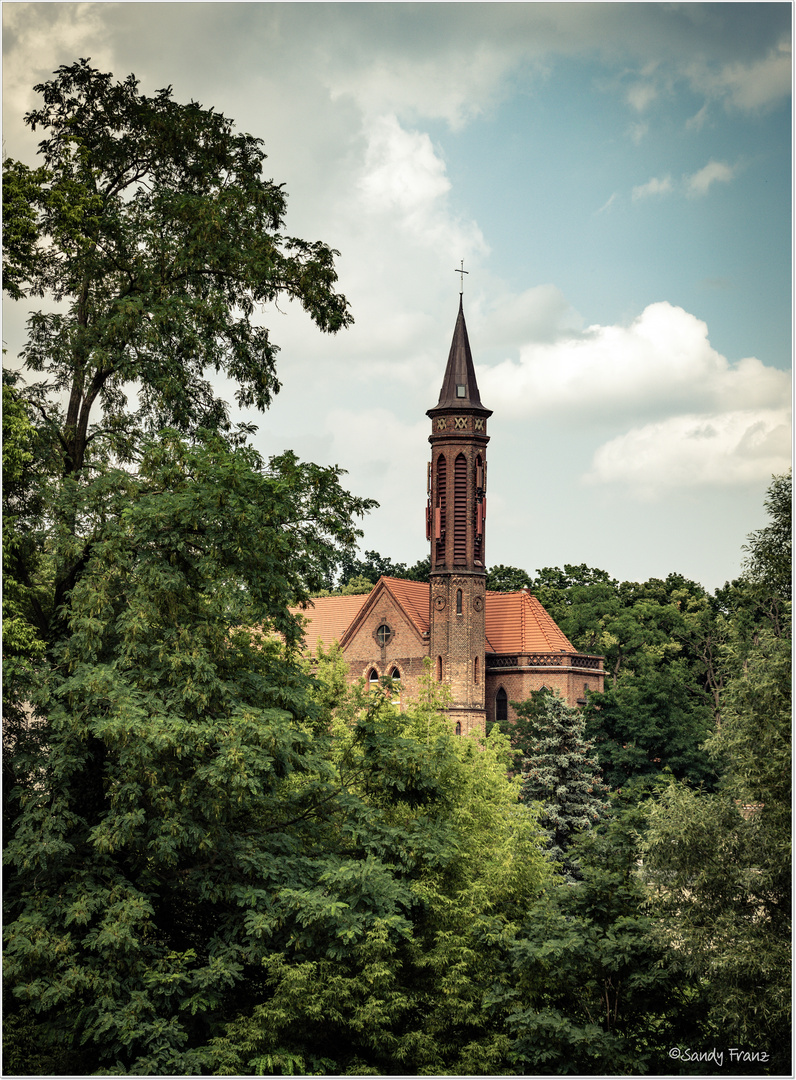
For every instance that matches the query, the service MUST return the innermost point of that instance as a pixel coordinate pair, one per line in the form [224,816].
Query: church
[488,648]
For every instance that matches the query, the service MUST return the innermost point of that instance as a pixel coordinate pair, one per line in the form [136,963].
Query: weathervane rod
[462,272]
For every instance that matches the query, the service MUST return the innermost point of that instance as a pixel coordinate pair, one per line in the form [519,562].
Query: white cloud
[541,313]
[430,86]
[402,172]
[662,362]
[402,187]
[641,95]
[755,85]
[716,449]
[695,184]
[608,203]
[654,186]
[714,171]
[709,421]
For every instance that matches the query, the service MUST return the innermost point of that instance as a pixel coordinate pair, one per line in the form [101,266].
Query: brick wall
[569,682]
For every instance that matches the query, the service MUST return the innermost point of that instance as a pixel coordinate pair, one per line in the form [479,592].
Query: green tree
[720,863]
[178,820]
[410,999]
[161,240]
[560,771]
[585,985]
[769,562]
[506,579]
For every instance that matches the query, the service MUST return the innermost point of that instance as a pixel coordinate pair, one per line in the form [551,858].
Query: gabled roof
[328,618]
[411,596]
[517,623]
[460,372]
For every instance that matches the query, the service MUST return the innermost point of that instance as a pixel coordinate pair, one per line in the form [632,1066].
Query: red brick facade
[488,648]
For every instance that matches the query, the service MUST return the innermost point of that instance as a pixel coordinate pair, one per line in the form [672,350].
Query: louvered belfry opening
[440,509]
[460,509]
[480,507]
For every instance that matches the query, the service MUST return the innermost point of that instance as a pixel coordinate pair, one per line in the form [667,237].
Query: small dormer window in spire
[461,390]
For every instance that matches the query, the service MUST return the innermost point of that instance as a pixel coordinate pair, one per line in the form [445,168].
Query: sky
[616,179]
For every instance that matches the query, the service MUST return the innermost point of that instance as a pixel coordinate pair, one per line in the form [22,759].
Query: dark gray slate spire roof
[460,373]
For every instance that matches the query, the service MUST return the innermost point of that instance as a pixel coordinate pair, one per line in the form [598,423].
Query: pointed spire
[459,387]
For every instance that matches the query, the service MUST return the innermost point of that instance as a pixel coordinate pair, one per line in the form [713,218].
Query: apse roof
[517,623]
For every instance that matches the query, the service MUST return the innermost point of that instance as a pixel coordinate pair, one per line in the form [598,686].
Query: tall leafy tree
[720,862]
[156,561]
[152,225]
[177,817]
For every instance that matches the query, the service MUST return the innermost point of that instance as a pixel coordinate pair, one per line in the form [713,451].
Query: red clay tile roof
[517,623]
[328,618]
[413,596]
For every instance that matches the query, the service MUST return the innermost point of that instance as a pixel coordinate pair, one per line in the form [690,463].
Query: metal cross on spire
[462,272]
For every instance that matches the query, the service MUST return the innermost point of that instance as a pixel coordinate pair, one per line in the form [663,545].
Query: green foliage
[360,575]
[20,501]
[560,771]
[151,223]
[465,855]
[506,579]
[153,852]
[586,988]
[660,641]
[21,191]
[720,863]
[769,563]
[650,723]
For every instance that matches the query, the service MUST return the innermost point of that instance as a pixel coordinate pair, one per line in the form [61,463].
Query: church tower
[455,526]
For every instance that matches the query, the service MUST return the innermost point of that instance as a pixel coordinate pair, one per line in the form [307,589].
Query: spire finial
[462,272]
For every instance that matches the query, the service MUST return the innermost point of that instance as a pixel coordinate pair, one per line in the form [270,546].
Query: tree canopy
[151,223]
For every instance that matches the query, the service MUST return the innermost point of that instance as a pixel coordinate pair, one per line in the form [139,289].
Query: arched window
[439,669]
[476,672]
[373,679]
[395,675]
[458,601]
[460,509]
[458,728]
[501,706]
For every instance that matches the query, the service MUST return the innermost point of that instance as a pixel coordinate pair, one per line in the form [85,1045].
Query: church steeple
[459,387]
[455,526]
